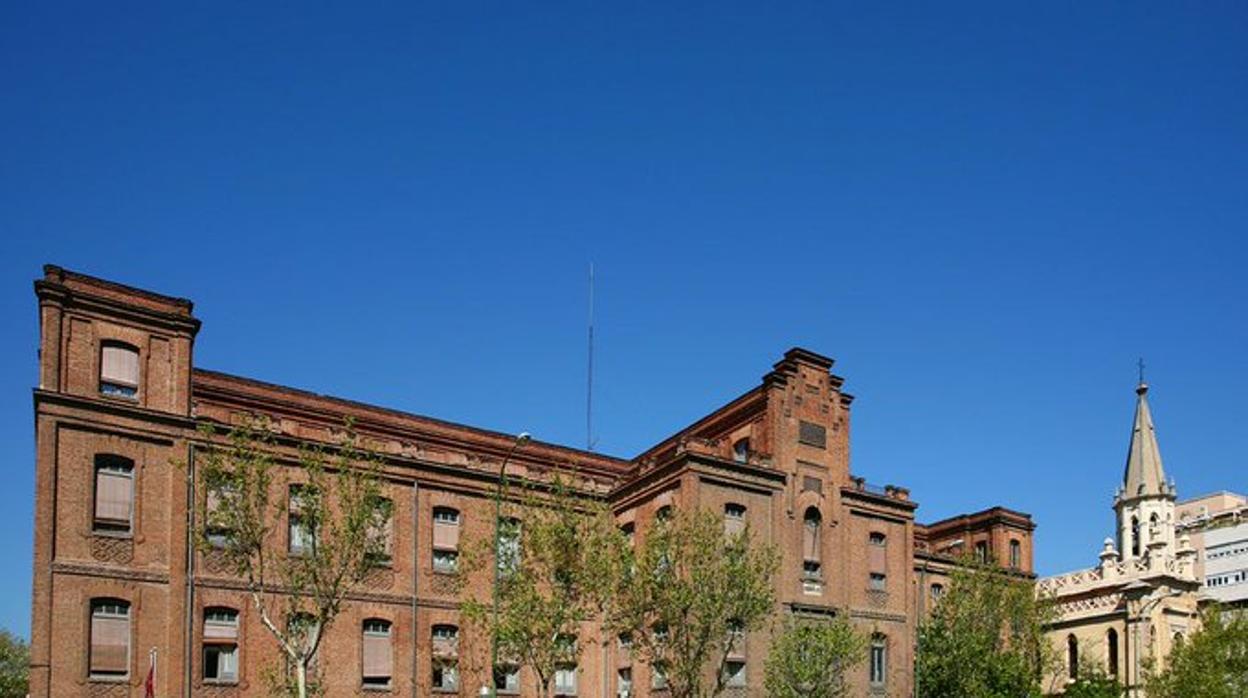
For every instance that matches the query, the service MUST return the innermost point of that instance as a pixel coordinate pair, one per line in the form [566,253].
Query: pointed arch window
[1135,536]
[1072,656]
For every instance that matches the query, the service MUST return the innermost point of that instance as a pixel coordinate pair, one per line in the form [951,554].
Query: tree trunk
[301,678]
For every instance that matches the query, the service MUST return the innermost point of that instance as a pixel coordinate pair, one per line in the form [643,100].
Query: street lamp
[521,439]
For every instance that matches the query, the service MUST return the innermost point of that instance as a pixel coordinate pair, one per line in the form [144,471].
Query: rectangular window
[378,655]
[381,531]
[1016,554]
[445,561]
[114,494]
[878,582]
[658,678]
[565,681]
[110,638]
[734,673]
[216,529]
[445,675]
[981,551]
[879,659]
[812,434]
[507,679]
[624,683]
[734,519]
[119,370]
[301,536]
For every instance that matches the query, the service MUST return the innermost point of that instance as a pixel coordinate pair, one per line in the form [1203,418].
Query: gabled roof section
[1144,475]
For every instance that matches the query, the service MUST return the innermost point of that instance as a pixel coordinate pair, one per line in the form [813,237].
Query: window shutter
[378,660]
[878,557]
[445,535]
[220,630]
[119,365]
[112,496]
[110,644]
[810,541]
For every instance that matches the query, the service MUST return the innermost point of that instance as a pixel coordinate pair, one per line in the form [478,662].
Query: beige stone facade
[118,407]
[1129,610]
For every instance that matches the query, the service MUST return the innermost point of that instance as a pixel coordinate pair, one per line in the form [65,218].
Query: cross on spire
[1141,364]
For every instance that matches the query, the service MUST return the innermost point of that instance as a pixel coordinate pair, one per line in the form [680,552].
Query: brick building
[115,575]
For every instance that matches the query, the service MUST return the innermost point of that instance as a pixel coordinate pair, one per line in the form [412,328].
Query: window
[378,658]
[119,370]
[981,551]
[734,673]
[445,539]
[1111,651]
[220,645]
[565,680]
[509,545]
[879,660]
[445,657]
[734,519]
[938,590]
[1072,656]
[1016,555]
[624,682]
[630,533]
[381,531]
[110,638]
[741,450]
[658,677]
[877,559]
[1135,536]
[301,533]
[812,553]
[507,679]
[215,529]
[1178,641]
[114,494]
[663,513]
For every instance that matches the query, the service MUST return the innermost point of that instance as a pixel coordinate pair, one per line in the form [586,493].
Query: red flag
[149,686]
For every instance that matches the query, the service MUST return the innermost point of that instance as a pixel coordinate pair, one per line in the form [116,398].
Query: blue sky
[985,213]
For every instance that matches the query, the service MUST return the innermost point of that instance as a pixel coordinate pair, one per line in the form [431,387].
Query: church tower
[1145,501]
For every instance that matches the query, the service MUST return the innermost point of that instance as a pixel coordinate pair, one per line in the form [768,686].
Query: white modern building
[1218,527]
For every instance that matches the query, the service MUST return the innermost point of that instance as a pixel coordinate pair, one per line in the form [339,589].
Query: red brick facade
[781,451]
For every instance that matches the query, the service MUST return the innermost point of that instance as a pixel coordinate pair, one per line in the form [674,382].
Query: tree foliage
[984,639]
[1094,682]
[558,572]
[1212,663]
[330,497]
[14,665]
[691,593]
[809,658]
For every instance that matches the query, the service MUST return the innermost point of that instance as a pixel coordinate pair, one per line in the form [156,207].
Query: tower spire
[1144,475]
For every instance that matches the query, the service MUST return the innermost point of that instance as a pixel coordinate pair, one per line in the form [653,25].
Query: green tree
[691,594]
[337,523]
[1094,682]
[14,665]
[809,658]
[560,559]
[984,639]
[1212,663]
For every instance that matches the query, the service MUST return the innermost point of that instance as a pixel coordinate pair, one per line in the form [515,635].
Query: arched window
[1135,536]
[879,660]
[663,513]
[812,558]
[445,657]
[1111,651]
[938,590]
[220,645]
[119,370]
[445,539]
[741,450]
[877,559]
[1072,656]
[110,637]
[1178,642]
[378,653]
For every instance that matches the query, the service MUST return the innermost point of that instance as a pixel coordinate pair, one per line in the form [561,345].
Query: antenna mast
[589,379]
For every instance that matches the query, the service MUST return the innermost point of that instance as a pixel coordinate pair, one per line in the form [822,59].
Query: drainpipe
[415,580]
[189,627]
